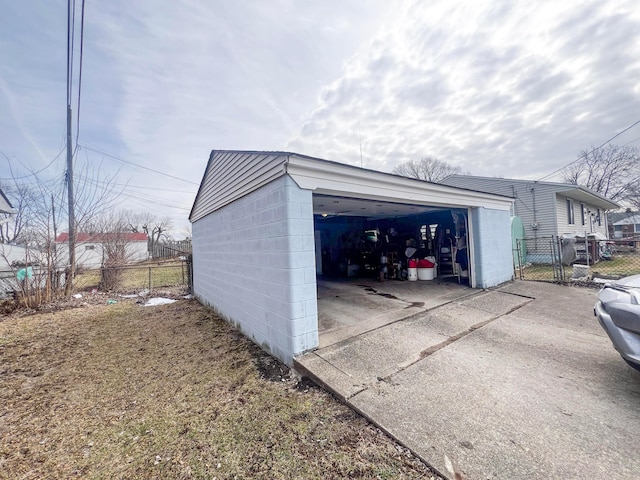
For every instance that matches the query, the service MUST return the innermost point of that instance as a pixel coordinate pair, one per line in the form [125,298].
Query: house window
[599,218]
[570,218]
[617,231]
[89,247]
[637,227]
[582,213]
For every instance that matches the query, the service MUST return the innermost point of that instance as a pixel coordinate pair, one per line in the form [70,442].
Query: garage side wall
[254,263]
[492,247]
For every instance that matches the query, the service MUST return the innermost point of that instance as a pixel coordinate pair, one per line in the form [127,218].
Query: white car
[618,311]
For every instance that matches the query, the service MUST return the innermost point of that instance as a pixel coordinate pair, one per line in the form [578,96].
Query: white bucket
[413,274]
[425,273]
[580,271]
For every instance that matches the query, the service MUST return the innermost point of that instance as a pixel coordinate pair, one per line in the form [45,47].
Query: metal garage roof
[231,174]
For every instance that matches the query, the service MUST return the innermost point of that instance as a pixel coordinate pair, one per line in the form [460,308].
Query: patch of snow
[77,295]
[155,301]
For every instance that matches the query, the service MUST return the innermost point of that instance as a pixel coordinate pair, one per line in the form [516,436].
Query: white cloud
[498,87]
[510,89]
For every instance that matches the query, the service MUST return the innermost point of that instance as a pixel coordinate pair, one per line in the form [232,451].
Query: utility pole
[71,270]
[72,220]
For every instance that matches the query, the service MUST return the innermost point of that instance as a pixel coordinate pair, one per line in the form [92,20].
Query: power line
[34,173]
[129,162]
[128,185]
[632,141]
[589,153]
[68,51]
[139,196]
[80,73]
[156,202]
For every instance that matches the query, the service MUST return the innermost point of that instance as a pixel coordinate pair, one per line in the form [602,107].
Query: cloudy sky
[500,88]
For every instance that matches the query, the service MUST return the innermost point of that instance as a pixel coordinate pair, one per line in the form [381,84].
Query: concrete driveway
[519,382]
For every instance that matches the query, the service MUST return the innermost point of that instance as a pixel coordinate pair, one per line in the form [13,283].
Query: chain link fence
[37,284]
[557,259]
[135,278]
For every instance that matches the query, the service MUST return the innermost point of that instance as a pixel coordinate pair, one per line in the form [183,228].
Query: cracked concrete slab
[349,308]
[537,391]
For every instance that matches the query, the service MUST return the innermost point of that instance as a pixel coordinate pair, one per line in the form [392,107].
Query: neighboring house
[13,259]
[16,256]
[5,204]
[266,223]
[92,248]
[624,224]
[546,208]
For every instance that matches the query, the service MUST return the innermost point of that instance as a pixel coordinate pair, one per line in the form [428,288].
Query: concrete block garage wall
[492,246]
[254,263]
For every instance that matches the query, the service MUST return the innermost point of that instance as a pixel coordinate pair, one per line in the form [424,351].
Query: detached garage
[267,225]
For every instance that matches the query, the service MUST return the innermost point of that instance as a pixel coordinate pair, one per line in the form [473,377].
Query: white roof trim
[231,174]
[331,178]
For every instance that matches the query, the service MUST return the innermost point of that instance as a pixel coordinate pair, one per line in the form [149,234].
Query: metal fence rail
[132,278]
[43,284]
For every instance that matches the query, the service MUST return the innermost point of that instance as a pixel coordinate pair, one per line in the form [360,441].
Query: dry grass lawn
[172,392]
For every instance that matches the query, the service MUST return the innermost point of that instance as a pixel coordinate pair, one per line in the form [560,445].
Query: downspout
[535,217]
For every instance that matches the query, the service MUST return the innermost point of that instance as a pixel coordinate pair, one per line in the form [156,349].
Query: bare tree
[429,169]
[23,197]
[112,231]
[34,226]
[40,207]
[95,195]
[156,228]
[611,171]
[634,194]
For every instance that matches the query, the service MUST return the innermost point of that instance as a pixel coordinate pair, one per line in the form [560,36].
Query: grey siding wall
[534,202]
[254,263]
[492,247]
[231,175]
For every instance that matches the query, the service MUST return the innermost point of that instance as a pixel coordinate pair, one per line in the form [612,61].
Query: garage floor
[349,307]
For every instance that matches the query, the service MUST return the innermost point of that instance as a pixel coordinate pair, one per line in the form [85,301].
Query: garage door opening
[367,255]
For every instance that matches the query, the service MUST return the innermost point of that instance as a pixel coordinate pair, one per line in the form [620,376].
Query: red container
[423,263]
[413,263]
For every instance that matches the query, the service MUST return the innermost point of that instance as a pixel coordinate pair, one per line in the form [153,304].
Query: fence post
[586,246]
[190,271]
[560,264]
[554,259]
[149,278]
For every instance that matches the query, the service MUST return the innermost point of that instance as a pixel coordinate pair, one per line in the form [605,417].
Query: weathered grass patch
[123,391]
[137,276]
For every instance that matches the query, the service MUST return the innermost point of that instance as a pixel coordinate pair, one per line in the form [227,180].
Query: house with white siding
[267,225]
[92,249]
[16,256]
[546,208]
